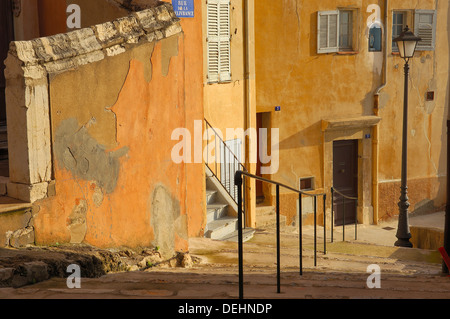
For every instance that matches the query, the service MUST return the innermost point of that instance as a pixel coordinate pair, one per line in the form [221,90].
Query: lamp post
[407,43]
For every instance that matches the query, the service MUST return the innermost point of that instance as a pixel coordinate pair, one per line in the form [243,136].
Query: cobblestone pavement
[341,273]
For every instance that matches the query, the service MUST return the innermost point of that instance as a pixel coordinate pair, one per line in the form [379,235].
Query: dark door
[345,180]
[6,36]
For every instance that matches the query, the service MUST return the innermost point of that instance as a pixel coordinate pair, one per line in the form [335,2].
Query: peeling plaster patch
[169,49]
[84,157]
[97,197]
[77,223]
[166,220]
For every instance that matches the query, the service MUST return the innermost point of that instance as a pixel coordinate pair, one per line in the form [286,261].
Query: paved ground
[341,273]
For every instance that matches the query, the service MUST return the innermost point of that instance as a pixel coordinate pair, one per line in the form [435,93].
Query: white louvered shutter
[327,31]
[425,27]
[218,41]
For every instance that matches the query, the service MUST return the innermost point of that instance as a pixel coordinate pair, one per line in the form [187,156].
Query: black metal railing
[335,192]
[239,182]
[224,163]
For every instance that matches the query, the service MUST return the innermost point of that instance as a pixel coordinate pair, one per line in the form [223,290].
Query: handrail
[233,165]
[223,143]
[344,197]
[239,180]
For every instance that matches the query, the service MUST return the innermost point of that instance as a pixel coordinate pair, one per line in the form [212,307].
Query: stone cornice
[62,52]
[349,123]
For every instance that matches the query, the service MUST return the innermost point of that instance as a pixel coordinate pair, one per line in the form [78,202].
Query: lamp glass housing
[407,43]
[407,48]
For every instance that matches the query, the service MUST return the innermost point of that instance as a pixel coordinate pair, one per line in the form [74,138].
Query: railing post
[278,240]
[207,142]
[300,233]
[324,225]
[315,230]
[244,196]
[343,218]
[332,214]
[238,183]
[356,219]
[215,156]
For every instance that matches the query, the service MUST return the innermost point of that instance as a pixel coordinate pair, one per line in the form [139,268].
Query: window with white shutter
[327,31]
[425,27]
[335,31]
[218,41]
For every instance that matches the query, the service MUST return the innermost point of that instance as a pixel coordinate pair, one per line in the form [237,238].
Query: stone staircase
[221,221]
[16,226]
[266,217]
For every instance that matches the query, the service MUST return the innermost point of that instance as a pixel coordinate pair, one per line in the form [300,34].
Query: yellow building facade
[329,78]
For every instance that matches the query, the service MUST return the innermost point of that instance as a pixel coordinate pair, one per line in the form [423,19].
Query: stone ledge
[8,205]
[349,123]
[30,193]
[62,52]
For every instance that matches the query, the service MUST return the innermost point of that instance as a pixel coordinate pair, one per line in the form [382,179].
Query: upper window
[398,25]
[345,30]
[423,25]
[218,41]
[335,31]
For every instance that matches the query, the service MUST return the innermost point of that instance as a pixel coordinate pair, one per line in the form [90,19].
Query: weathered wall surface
[113,105]
[49,18]
[314,89]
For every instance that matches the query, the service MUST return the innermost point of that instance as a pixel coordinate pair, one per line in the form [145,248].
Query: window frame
[337,32]
[350,35]
[404,24]
[411,18]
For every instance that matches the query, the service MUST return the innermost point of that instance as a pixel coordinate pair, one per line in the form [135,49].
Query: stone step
[215,211]
[247,234]
[15,228]
[220,228]
[211,196]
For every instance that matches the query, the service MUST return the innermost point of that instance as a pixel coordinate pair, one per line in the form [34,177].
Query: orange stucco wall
[124,216]
[195,172]
[146,203]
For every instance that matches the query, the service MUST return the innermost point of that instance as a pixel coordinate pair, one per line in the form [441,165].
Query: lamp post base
[403,242]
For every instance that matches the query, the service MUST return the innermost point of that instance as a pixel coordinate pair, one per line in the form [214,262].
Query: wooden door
[345,180]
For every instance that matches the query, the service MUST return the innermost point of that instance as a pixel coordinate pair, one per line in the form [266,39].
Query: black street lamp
[407,43]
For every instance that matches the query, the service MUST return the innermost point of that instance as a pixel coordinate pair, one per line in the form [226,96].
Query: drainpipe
[375,140]
[247,110]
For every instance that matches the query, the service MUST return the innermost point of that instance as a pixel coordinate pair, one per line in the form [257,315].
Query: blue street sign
[183,8]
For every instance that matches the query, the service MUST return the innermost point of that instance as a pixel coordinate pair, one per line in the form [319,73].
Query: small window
[307,184]
[335,31]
